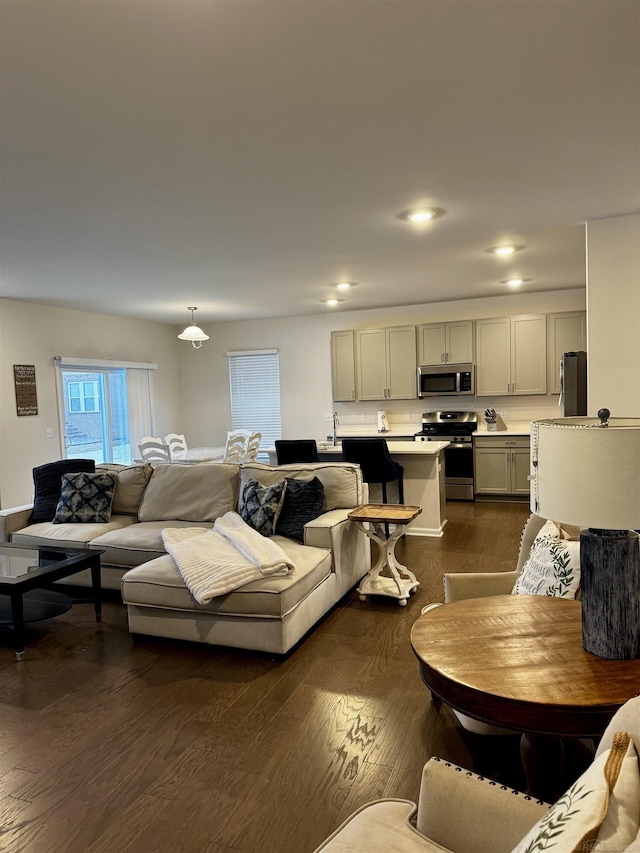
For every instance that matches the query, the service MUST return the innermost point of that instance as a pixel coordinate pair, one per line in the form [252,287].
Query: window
[105,408]
[254,384]
[83,396]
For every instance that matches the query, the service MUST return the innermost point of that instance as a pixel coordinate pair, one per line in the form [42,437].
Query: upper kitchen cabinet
[386,363]
[343,366]
[511,355]
[566,332]
[441,343]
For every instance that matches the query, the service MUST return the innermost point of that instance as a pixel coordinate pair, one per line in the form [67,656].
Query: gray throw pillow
[260,505]
[85,498]
[302,503]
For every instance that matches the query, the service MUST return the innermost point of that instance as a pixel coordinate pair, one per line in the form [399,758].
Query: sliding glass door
[96,419]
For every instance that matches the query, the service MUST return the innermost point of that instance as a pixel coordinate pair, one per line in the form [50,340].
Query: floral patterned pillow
[600,811]
[553,565]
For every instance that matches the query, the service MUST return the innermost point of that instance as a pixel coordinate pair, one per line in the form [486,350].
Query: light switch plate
[48,433]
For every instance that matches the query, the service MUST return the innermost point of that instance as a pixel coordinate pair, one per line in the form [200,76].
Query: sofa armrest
[349,546]
[467,813]
[459,585]
[378,827]
[12,519]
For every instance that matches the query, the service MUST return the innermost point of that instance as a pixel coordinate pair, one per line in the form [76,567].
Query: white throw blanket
[216,561]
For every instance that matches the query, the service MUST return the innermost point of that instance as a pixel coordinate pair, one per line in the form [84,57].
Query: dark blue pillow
[47,480]
[302,503]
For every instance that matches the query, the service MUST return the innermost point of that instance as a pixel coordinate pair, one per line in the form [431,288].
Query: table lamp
[586,471]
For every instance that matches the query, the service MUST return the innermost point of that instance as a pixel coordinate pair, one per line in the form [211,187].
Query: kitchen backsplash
[406,416]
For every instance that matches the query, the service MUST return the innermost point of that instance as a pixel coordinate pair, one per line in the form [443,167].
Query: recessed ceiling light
[513,282]
[332,301]
[504,250]
[422,214]
[344,285]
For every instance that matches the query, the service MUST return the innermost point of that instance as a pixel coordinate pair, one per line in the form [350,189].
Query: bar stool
[373,457]
[296,450]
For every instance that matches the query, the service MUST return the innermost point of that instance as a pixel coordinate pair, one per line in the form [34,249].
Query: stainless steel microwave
[441,380]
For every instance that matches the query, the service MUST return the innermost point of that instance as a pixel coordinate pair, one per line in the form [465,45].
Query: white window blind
[254,384]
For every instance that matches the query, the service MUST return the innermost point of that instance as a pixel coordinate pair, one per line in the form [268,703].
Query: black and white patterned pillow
[260,505]
[85,498]
[302,503]
[47,481]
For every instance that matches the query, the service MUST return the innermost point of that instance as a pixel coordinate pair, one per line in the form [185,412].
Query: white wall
[192,387]
[305,366]
[613,315]
[34,334]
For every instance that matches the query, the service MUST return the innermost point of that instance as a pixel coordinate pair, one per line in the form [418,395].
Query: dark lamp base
[610,584]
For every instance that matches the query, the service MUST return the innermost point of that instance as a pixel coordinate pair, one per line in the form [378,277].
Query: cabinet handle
[446,356]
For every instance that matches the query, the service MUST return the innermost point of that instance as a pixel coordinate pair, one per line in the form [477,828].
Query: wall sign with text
[24,376]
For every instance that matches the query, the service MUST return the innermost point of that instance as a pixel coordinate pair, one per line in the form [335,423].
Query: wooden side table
[387,576]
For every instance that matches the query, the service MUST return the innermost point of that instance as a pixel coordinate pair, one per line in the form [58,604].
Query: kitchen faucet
[335,429]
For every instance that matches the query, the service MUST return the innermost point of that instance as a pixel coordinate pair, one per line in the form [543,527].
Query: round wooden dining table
[517,661]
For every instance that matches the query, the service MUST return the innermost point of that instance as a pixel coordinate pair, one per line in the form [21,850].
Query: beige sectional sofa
[270,614]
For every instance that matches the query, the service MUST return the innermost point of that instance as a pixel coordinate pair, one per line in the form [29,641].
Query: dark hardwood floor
[112,742]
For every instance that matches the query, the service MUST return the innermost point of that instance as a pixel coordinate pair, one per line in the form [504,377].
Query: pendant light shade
[193,333]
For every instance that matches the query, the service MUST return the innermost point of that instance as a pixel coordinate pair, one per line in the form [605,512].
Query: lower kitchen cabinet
[502,465]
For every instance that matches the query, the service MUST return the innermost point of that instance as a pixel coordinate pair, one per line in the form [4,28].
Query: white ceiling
[241,155]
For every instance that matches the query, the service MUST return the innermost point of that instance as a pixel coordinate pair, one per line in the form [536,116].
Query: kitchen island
[423,464]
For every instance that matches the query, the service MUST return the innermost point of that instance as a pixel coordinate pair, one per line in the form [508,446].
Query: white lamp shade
[586,474]
[193,333]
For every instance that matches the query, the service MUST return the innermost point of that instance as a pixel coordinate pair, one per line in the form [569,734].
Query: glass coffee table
[25,578]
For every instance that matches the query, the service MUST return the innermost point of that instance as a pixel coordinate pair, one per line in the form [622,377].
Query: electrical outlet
[328,417]
[363,416]
[48,433]
[407,417]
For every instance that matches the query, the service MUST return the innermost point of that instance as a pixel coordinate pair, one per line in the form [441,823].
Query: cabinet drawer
[503,442]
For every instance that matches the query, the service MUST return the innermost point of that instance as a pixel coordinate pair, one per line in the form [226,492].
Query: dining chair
[177,446]
[153,449]
[296,450]
[253,445]
[236,444]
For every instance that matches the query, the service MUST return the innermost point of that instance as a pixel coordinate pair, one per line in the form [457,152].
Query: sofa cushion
[260,506]
[47,481]
[69,535]
[302,503]
[600,811]
[553,565]
[86,498]
[200,492]
[139,543]
[131,483]
[159,584]
[342,481]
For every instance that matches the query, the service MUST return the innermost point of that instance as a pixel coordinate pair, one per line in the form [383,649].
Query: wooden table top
[517,661]
[392,513]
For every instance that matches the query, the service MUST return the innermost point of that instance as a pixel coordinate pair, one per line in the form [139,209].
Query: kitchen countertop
[523,428]
[414,448]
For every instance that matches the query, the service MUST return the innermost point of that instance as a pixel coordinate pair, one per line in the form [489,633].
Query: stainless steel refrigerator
[573,384]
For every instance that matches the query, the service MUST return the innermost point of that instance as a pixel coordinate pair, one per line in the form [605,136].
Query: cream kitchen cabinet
[343,366]
[502,465]
[441,343]
[511,355]
[386,363]
[566,332]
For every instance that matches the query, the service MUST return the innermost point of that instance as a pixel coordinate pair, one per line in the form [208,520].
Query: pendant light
[193,333]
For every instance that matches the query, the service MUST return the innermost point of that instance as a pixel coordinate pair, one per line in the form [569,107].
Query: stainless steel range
[457,428]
